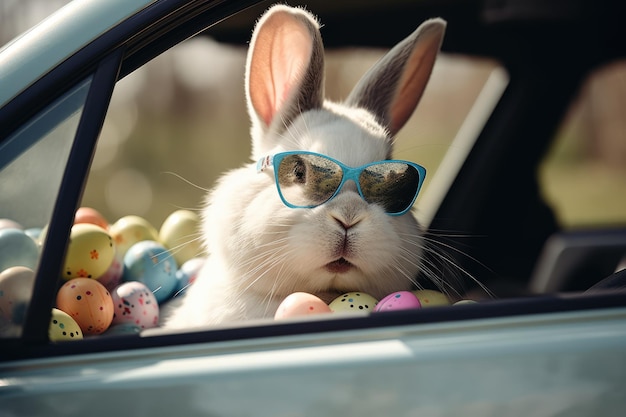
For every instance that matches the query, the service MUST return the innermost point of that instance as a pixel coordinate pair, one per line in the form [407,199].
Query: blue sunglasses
[309,179]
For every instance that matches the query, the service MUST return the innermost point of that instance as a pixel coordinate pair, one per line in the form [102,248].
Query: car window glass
[180,121]
[584,175]
[32,162]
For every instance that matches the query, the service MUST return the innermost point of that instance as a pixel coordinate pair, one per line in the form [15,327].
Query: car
[553,341]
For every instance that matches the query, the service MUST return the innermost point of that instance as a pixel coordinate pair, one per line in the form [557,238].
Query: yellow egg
[88,302]
[89,253]
[179,233]
[129,230]
[353,302]
[63,327]
[431,298]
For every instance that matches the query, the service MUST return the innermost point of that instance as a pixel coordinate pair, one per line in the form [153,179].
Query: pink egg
[400,300]
[301,304]
[92,216]
[88,303]
[10,224]
[135,304]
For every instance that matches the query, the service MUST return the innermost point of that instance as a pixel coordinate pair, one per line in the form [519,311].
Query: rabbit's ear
[285,67]
[392,88]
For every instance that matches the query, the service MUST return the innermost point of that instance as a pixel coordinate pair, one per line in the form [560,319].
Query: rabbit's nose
[347,210]
[346,223]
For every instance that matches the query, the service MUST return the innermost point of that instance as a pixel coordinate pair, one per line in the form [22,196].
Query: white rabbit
[260,249]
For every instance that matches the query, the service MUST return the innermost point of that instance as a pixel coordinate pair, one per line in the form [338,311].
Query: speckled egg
[431,298]
[150,263]
[187,273]
[353,302]
[129,230]
[400,300]
[91,216]
[88,303]
[179,233]
[17,249]
[16,287]
[135,304]
[89,253]
[63,327]
[301,304]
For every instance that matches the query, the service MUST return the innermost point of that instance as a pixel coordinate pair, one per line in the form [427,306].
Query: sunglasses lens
[392,185]
[307,180]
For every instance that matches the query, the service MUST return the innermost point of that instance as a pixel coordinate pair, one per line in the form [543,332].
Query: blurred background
[180,121]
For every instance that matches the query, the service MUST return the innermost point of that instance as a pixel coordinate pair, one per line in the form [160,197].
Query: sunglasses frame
[349,173]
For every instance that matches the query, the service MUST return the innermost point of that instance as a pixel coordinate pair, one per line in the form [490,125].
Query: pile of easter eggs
[301,304]
[116,275]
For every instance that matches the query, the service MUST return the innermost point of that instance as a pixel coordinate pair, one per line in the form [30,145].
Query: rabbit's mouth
[340,266]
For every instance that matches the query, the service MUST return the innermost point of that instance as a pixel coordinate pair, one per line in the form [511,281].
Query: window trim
[37,321]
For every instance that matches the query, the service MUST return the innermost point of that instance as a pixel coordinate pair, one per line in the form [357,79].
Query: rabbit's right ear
[284,71]
[392,88]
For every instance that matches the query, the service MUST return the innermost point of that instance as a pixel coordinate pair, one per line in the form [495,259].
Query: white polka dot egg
[135,304]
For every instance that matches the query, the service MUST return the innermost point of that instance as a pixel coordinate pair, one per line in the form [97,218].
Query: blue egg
[187,273]
[17,249]
[34,233]
[151,264]
[122,329]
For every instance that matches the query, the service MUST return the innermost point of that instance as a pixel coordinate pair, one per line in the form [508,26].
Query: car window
[583,176]
[32,163]
[175,125]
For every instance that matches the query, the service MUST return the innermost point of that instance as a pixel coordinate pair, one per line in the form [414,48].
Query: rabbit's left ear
[392,88]
[285,68]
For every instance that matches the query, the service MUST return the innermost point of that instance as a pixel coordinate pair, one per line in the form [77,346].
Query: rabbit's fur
[260,251]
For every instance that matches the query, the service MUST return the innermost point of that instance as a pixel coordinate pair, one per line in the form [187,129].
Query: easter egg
[400,300]
[91,216]
[465,302]
[63,327]
[431,298]
[10,224]
[150,263]
[180,234]
[301,304]
[129,230]
[34,233]
[17,249]
[353,302]
[135,304]
[113,275]
[122,329]
[16,288]
[88,303]
[187,273]
[89,252]
[42,236]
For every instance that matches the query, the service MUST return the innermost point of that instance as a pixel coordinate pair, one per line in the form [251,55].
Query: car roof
[34,53]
